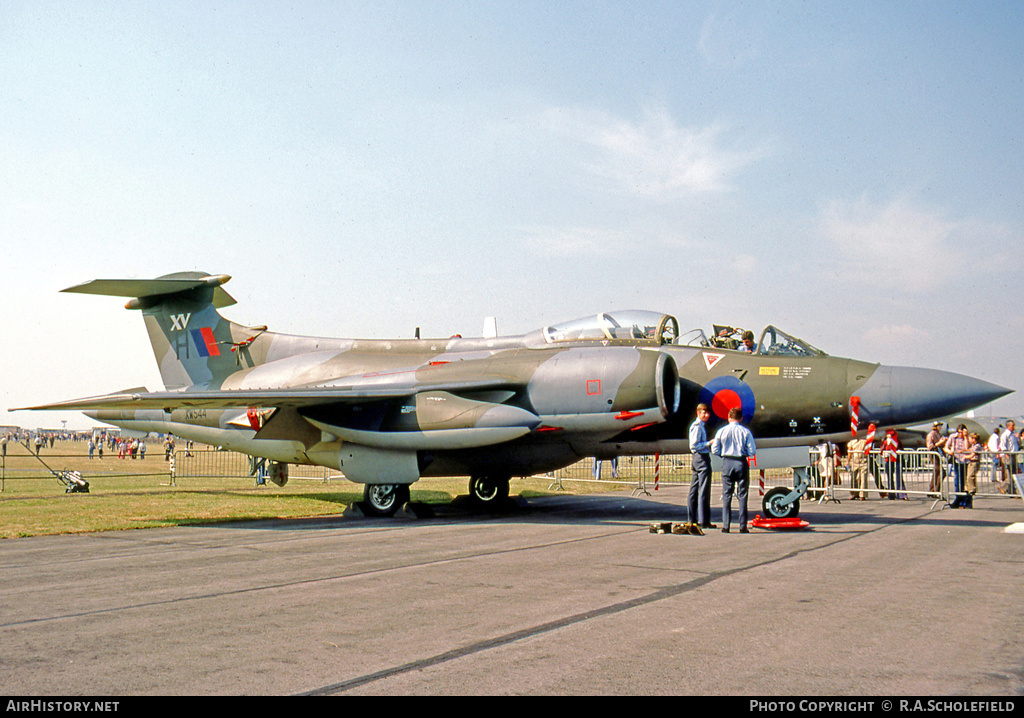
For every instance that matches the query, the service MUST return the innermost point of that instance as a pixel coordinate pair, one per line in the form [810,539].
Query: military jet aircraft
[387,412]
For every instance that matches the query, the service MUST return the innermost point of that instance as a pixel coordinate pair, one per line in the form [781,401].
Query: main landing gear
[385,499]
[485,492]
[488,492]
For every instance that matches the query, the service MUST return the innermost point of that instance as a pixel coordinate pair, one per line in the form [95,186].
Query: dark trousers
[959,476]
[735,479]
[936,485]
[699,500]
[894,479]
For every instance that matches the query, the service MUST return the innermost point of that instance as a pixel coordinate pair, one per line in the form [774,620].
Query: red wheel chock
[793,523]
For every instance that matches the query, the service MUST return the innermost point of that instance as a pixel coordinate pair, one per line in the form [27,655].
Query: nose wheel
[778,503]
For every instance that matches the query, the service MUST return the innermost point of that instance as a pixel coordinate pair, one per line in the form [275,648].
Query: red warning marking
[593,387]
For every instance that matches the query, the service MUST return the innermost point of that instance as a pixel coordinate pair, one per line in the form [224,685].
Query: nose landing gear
[782,506]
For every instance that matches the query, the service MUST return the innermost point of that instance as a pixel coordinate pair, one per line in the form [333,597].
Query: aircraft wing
[243,398]
[437,416]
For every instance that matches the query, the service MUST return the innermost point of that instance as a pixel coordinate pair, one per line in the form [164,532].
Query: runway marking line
[661,594]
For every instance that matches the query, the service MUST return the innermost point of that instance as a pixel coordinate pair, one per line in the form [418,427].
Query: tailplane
[193,343]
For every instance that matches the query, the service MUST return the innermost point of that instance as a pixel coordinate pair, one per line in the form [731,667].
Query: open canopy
[658,328]
[631,324]
[773,342]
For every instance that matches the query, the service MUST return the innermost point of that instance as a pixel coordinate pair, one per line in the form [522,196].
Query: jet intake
[666,384]
[604,380]
[606,391]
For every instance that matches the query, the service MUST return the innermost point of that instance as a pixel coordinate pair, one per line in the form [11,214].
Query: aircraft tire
[385,499]
[772,508]
[488,491]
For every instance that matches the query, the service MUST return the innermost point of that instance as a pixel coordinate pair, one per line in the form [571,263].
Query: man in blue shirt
[699,500]
[735,444]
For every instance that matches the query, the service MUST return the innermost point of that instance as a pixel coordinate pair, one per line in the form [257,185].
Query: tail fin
[193,343]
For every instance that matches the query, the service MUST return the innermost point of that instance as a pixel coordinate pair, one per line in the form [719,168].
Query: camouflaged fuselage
[390,411]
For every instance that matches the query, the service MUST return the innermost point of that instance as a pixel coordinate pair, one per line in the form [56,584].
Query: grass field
[128,494]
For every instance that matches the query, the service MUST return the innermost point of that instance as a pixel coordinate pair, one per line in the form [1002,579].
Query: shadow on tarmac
[618,509]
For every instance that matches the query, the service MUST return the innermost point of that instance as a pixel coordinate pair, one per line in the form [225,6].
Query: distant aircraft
[914,437]
[387,412]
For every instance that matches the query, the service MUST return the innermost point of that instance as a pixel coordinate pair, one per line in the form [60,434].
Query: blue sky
[848,172]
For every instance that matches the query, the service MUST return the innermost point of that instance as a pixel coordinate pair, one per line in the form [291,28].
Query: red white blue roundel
[725,392]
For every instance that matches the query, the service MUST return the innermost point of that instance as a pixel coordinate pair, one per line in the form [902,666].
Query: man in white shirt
[735,444]
[992,447]
[1009,445]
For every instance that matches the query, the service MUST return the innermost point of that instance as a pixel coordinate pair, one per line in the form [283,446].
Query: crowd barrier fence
[910,475]
[996,475]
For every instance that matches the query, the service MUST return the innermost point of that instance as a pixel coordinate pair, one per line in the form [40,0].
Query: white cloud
[730,41]
[653,157]
[901,244]
[595,241]
[745,265]
[895,334]
[578,241]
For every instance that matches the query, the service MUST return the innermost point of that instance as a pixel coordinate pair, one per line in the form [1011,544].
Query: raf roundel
[727,392]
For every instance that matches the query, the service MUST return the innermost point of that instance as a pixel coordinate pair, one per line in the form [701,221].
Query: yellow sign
[769,371]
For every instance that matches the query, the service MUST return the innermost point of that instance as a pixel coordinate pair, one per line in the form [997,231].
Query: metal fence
[932,474]
[920,474]
[29,469]
[644,473]
[203,462]
[655,472]
[910,476]
[990,475]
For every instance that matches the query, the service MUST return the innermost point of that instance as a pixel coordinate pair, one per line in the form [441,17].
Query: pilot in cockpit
[747,344]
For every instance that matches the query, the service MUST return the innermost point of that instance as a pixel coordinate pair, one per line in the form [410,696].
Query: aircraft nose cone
[908,395]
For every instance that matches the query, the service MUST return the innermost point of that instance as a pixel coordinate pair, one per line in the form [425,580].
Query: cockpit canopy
[773,342]
[776,342]
[630,325]
[657,328]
